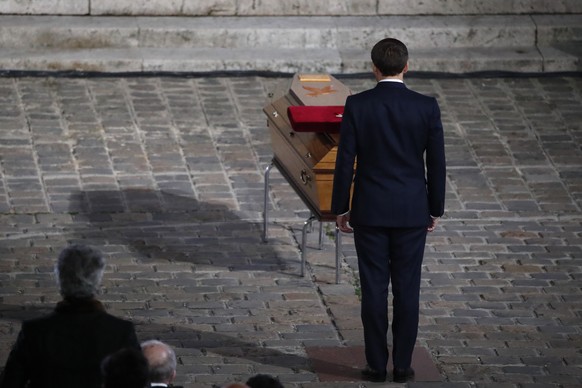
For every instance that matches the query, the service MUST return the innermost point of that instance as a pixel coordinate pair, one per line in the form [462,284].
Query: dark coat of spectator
[65,348]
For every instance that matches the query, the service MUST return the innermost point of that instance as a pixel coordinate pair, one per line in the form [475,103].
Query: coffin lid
[318,89]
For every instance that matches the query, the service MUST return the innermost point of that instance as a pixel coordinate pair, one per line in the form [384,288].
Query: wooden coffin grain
[306,159]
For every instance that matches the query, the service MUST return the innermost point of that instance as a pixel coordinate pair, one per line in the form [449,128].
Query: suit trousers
[389,255]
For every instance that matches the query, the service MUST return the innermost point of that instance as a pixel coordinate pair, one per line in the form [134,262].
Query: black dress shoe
[402,375]
[376,376]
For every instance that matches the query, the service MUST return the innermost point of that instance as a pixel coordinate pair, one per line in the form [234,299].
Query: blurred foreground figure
[264,381]
[65,348]
[126,368]
[161,362]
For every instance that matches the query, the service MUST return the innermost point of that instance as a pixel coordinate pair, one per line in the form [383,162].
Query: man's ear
[405,70]
[377,73]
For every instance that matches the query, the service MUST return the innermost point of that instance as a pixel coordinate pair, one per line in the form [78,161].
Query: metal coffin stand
[306,159]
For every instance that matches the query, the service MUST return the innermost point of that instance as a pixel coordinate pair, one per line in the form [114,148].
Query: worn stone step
[194,60]
[453,44]
[77,32]
[287,7]
[478,7]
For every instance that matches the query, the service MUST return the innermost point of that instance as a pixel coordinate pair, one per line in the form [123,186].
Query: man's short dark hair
[390,56]
[126,368]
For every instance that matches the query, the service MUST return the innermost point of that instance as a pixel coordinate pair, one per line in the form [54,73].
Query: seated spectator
[264,381]
[161,361]
[126,368]
[65,348]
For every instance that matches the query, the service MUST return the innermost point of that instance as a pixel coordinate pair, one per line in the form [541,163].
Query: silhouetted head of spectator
[79,272]
[126,368]
[264,381]
[234,385]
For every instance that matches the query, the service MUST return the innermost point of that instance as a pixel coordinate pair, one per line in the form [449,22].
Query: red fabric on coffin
[315,118]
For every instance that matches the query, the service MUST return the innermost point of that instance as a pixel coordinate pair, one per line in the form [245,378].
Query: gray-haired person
[162,362]
[65,348]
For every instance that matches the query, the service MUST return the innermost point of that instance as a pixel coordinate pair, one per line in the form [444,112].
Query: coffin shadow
[159,226]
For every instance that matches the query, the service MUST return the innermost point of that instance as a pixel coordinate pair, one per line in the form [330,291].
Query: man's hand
[433,223]
[342,222]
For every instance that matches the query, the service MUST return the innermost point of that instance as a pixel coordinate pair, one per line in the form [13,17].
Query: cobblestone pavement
[166,175]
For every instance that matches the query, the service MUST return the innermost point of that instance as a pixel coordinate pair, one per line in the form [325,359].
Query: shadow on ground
[185,271]
[163,227]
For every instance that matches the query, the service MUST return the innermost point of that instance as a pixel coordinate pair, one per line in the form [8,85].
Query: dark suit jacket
[390,129]
[65,348]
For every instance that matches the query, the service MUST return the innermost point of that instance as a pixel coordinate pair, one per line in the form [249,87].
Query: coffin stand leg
[265,200]
[338,248]
[338,243]
[311,215]
[306,224]
[320,235]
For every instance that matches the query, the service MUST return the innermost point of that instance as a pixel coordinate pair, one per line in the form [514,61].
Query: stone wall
[286,7]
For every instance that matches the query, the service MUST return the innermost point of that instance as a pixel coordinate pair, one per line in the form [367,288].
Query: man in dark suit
[395,136]
[66,348]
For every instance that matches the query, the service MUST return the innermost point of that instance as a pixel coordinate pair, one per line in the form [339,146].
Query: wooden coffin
[306,155]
